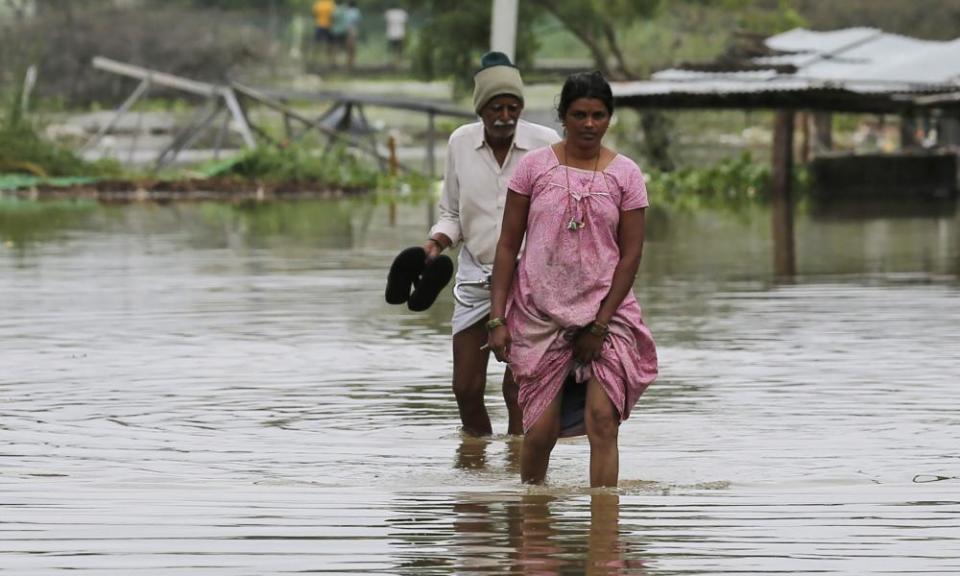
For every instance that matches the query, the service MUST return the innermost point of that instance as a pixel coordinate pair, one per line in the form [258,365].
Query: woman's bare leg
[603,423]
[470,378]
[511,393]
[538,442]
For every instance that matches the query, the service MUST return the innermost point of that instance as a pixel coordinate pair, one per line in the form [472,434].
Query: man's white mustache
[502,123]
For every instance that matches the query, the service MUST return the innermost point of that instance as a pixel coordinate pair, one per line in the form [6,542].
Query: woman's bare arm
[512,230]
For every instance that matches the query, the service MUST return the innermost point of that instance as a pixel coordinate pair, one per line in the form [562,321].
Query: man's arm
[446,232]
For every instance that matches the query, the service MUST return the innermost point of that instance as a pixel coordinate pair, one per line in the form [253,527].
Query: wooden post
[823,132]
[392,146]
[804,119]
[908,132]
[784,263]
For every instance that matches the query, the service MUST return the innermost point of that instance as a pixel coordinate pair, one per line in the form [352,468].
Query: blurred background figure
[396,18]
[322,17]
[352,18]
[338,32]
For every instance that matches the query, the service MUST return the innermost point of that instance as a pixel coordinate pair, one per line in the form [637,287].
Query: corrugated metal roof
[859,60]
[803,40]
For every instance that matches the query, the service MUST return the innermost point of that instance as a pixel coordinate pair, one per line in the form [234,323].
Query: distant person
[352,17]
[565,317]
[322,17]
[481,158]
[396,32]
[339,28]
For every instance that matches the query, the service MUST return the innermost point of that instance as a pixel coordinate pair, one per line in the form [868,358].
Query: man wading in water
[481,159]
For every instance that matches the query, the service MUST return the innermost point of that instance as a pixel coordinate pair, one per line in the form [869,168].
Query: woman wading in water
[567,308]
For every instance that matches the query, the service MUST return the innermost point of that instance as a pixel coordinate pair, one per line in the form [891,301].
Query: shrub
[304,163]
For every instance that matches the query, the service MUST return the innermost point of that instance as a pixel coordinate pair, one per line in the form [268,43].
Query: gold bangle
[599,329]
[494,322]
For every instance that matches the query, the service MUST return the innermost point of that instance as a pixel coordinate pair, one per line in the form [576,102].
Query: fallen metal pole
[158,78]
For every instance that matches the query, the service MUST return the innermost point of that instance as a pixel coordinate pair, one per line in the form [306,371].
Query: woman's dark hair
[585,85]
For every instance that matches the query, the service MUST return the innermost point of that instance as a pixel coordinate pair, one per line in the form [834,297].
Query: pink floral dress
[564,273]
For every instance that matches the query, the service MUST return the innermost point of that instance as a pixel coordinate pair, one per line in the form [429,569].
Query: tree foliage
[596,24]
[454,34]
[932,19]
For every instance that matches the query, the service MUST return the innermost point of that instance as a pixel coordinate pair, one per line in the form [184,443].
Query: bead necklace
[573,225]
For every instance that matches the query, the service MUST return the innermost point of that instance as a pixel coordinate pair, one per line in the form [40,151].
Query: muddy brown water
[216,389]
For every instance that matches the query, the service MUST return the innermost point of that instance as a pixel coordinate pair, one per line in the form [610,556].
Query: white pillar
[503,27]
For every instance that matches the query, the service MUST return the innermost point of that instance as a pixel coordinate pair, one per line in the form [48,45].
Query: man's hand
[433,247]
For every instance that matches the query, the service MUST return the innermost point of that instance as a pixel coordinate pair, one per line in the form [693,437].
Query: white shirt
[475,185]
[396,23]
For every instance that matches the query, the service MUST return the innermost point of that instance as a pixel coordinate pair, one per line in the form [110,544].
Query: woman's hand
[499,340]
[587,346]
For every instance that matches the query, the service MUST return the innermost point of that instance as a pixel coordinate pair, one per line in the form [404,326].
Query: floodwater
[205,389]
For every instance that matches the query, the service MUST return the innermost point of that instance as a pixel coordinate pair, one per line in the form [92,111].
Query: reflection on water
[220,389]
[517,533]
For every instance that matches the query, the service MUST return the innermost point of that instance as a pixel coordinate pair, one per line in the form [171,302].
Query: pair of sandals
[415,281]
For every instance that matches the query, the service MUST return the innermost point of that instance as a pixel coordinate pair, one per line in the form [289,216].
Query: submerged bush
[729,182]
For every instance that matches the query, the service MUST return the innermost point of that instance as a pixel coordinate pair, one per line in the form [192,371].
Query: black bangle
[437,242]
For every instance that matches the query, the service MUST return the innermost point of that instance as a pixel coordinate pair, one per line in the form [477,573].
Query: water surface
[215,389]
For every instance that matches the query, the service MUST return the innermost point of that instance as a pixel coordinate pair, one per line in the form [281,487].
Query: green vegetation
[730,183]
[24,151]
[301,163]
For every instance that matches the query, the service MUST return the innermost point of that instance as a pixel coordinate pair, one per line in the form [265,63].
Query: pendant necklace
[573,225]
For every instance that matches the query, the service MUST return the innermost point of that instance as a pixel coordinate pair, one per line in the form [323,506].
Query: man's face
[500,117]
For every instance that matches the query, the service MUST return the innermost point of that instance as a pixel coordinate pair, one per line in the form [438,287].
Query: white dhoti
[469,270]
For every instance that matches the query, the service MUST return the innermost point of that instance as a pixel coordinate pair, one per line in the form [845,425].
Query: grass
[24,151]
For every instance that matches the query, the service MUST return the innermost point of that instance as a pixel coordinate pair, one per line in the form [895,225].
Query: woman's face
[586,121]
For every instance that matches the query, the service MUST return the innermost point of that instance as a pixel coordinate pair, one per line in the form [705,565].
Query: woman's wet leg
[511,393]
[538,442]
[603,424]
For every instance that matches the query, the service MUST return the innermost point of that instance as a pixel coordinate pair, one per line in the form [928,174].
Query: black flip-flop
[404,274]
[435,276]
